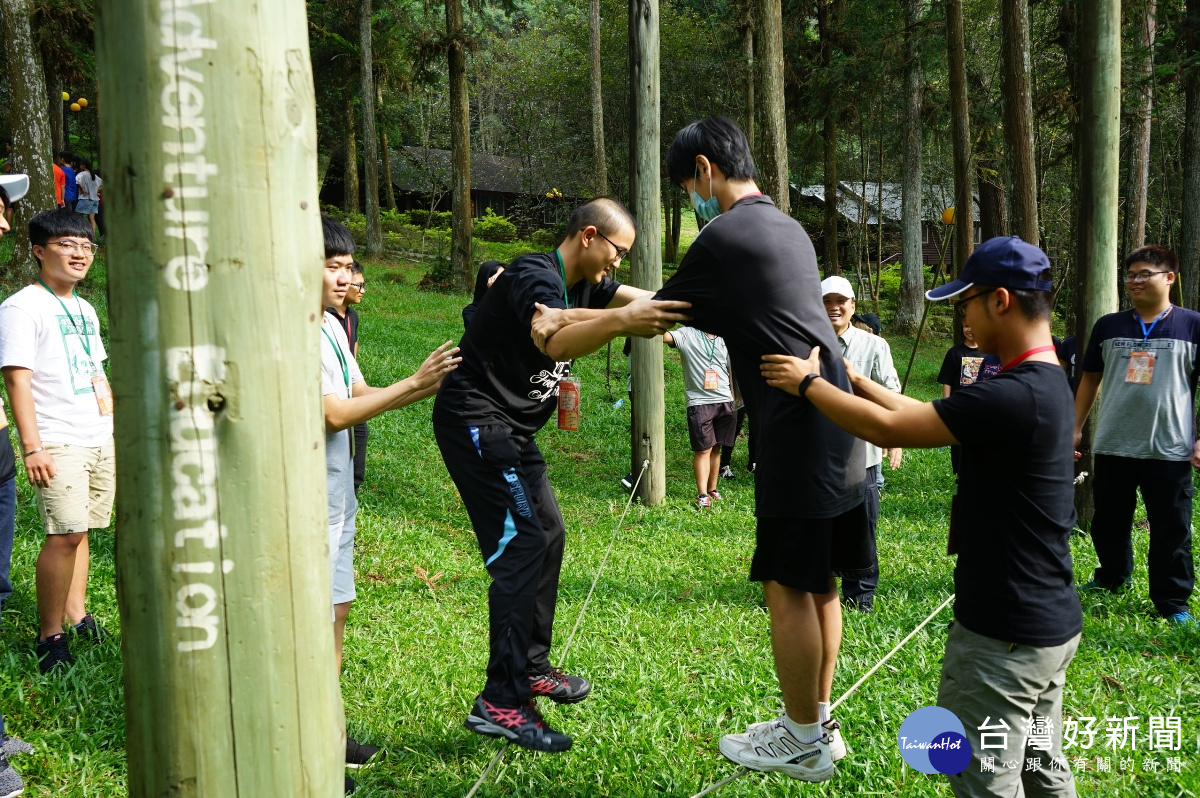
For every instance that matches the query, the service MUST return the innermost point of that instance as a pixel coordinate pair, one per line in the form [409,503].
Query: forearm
[585,337]
[1085,397]
[366,404]
[20,399]
[880,394]
[911,423]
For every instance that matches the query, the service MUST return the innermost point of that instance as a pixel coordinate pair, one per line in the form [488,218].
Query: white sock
[823,710]
[807,733]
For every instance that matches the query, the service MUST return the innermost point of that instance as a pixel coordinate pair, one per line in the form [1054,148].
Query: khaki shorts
[80,496]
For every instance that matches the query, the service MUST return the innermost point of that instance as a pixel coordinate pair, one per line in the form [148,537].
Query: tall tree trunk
[1134,232]
[370,140]
[599,162]
[1018,116]
[27,119]
[671,238]
[773,166]
[993,207]
[964,210]
[389,189]
[350,183]
[222,564]
[460,145]
[54,103]
[1189,244]
[648,430]
[1099,140]
[825,25]
[912,275]
[748,54]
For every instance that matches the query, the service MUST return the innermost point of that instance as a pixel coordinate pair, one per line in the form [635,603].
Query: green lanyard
[710,346]
[87,347]
[337,350]
[563,273]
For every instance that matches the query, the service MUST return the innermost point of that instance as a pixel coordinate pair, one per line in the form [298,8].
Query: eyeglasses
[359,286]
[86,247]
[1140,277]
[960,307]
[622,254]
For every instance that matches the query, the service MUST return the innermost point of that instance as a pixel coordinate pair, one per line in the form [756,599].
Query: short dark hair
[5,202]
[56,224]
[66,156]
[338,240]
[604,213]
[356,268]
[1155,254]
[1036,305]
[717,138]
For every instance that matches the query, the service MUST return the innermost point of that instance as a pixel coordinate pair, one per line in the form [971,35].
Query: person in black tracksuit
[543,310]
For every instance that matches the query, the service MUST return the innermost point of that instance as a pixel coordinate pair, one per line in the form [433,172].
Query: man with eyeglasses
[542,311]
[347,318]
[51,355]
[1147,359]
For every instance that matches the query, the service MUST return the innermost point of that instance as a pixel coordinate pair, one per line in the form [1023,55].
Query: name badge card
[1141,368]
[711,381]
[104,397]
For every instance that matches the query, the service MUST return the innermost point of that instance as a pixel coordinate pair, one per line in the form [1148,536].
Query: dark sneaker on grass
[54,652]
[88,629]
[10,780]
[627,481]
[1095,587]
[559,687]
[362,754]
[521,726]
[351,786]
[726,473]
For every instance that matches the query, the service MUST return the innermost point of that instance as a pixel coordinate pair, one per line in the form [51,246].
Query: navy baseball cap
[1001,262]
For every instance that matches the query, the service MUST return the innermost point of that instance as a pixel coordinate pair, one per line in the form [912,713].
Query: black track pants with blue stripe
[502,479]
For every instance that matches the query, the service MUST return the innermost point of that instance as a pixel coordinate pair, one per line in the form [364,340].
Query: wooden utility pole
[647,435]
[599,157]
[1100,135]
[463,221]
[370,141]
[964,206]
[773,161]
[223,575]
[1018,117]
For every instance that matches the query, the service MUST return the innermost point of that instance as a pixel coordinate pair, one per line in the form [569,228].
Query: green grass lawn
[675,639]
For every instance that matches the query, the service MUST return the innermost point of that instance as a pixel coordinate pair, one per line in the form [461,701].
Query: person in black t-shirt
[751,277]
[964,365]
[1017,618]
[542,311]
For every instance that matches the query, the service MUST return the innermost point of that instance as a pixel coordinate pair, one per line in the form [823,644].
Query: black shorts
[806,553]
[711,425]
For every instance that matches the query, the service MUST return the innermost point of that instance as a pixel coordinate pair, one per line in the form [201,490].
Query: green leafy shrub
[543,239]
[495,228]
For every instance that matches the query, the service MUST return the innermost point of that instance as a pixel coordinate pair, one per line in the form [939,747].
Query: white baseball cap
[17,186]
[837,285]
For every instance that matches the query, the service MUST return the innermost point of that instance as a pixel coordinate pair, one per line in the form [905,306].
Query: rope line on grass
[563,659]
[845,695]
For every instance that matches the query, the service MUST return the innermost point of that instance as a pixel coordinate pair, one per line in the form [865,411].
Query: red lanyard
[1025,355]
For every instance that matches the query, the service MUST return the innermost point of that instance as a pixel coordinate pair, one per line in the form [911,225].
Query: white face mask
[706,209]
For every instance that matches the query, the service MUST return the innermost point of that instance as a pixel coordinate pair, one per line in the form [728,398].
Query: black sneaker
[522,726]
[726,473]
[351,786]
[863,604]
[559,687]
[53,652]
[627,481]
[89,630]
[361,754]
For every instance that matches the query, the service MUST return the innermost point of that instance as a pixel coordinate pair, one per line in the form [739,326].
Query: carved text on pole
[186,170]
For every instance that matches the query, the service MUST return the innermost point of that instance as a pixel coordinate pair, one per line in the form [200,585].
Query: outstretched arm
[644,317]
[366,402]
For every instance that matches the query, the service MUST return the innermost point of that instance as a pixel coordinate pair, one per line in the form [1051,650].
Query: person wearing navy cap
[1147,360]
[1017,617]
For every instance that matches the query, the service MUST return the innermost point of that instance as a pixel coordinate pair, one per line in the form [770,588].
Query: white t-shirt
[38,334]
[89,186]
[339,467]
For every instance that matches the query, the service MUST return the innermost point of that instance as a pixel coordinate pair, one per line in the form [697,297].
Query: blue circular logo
[933,740]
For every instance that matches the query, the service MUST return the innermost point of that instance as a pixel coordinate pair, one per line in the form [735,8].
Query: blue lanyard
[1147,330]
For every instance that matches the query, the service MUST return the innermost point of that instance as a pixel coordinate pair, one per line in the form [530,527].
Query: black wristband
[804,383]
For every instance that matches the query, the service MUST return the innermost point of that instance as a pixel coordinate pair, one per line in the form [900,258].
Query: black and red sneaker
[521,725]
[559,687]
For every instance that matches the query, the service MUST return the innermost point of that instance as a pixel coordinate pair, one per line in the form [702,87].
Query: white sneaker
[771,746]
[837,746]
